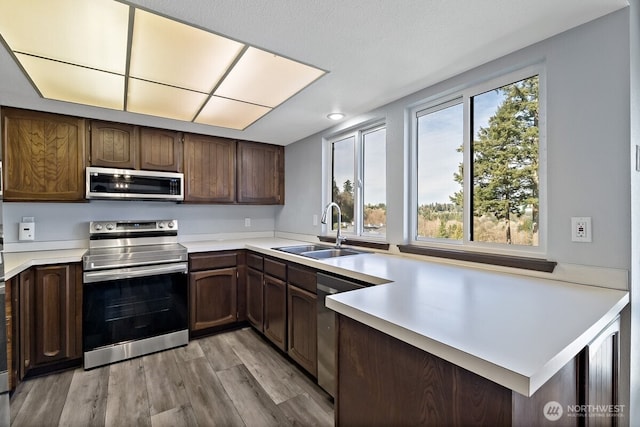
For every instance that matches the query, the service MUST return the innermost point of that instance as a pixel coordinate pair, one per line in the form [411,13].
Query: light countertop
[515,330]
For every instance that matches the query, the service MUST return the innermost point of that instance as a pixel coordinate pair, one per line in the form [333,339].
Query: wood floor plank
[220,355]
[43,405]
[182,416]
[165,386]
[86,403]
[209,400]
[250,399]
[127,400]
[269,368]
[188,352]
[302,410]
[19,396]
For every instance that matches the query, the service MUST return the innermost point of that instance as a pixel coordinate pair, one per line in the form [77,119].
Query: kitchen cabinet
[46,317]
[255,295]
[114,145]
[58,322]
[275,302]
[12,321]
[302,317]
[213,289]
[385,381]
[44,156]
[160,150]
[209,168]
[260,173]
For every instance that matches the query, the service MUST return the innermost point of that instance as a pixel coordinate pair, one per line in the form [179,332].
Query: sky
[440,134]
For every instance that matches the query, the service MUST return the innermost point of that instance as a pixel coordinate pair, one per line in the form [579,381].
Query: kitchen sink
[302,248]
[320,251]
[331,253]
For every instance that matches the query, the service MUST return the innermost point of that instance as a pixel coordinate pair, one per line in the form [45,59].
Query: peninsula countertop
[515,330]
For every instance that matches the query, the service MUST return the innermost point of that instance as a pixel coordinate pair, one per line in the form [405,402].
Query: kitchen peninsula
[501,341]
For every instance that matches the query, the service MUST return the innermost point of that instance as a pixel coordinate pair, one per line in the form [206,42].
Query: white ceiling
[376,51]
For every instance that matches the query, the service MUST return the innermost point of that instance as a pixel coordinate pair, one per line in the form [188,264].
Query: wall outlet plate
[581,229]
[27,231]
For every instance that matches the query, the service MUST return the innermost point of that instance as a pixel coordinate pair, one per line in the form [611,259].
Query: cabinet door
[160,150]
[26,297]
[43,156]
[55,313]
[302,332]
[114,145]
[209,168]
[260,173]
[275,311]
[213,298]
[255,298]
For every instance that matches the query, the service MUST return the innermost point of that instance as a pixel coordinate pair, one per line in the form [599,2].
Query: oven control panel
[129,227]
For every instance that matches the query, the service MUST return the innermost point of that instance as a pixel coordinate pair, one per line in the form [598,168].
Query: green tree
[505,157]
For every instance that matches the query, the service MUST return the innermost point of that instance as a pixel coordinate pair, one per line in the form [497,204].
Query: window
[477,167]
[358,181]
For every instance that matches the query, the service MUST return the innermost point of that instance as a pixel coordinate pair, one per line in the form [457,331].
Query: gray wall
[587,71]
[69,221]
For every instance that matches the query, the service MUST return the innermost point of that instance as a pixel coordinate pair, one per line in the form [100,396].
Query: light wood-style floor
[230,379]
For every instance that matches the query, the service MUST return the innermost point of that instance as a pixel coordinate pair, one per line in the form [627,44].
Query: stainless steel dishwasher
[329,285]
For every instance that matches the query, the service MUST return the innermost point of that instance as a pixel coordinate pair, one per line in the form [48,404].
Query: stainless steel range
[135,290]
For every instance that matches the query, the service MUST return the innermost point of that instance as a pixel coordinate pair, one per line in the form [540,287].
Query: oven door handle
[133,272]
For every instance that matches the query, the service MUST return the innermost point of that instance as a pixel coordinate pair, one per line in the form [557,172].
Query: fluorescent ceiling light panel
[76,51]
[163,101]
[65,82]
[228,113]
[170,52]
[263,78]
[88,33]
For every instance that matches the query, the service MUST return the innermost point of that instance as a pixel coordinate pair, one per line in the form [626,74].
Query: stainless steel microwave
[108,183]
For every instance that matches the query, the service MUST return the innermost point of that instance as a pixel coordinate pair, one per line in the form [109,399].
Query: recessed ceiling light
[335,116]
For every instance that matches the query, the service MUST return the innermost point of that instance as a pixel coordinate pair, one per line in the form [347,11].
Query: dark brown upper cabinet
[160,150]
[44,156]
[209,169]
[260,172]
[114,145]
[123,146]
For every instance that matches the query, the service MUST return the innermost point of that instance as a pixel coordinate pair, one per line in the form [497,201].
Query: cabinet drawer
[303,278]
[275,268]
[254,261]
[212,260]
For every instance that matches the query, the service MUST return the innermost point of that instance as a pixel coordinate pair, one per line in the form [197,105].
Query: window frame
[358,133]
[464,94]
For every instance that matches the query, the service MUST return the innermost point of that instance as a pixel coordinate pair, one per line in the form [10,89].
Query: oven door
[133,311]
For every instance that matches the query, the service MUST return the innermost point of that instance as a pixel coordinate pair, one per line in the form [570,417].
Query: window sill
[535,264]
[355,242]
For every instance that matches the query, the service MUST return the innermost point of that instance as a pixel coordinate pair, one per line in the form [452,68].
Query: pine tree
[505,156]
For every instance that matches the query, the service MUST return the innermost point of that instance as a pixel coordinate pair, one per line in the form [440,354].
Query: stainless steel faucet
[327,210]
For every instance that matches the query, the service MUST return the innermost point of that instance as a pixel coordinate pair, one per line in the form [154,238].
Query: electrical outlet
[581,229]
[315,219]
[247,222]
[27,231]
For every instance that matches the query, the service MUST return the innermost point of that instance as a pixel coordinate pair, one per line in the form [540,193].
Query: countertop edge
[525,384]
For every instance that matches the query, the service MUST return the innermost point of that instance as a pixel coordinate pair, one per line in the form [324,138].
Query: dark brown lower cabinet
[302,324]
[213,298]
[384,381]
[275,311]
[302,317]
[46,318]
[255,298]
[215,289]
